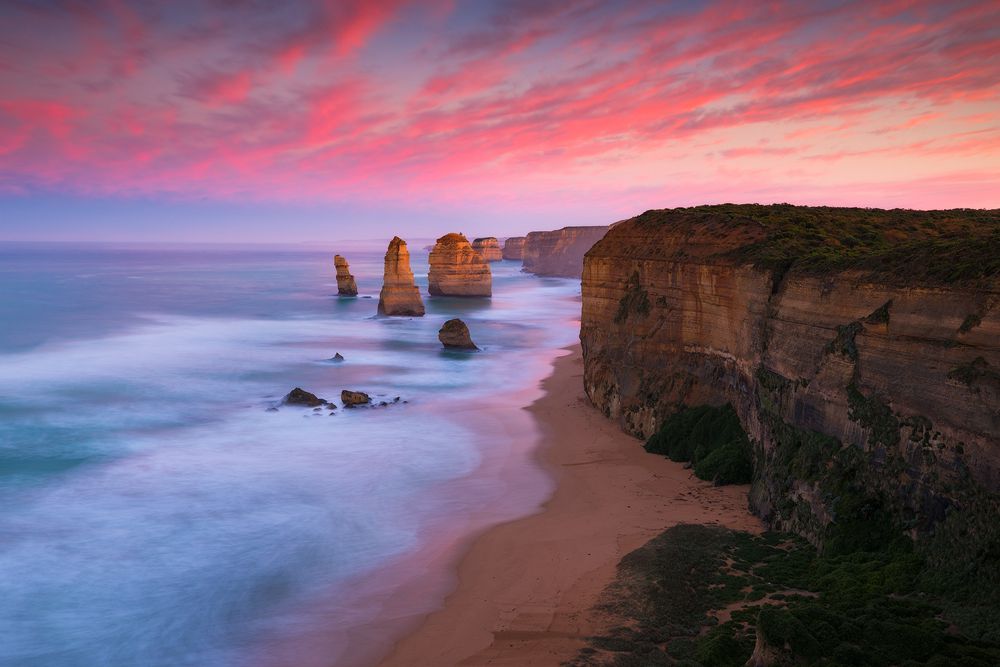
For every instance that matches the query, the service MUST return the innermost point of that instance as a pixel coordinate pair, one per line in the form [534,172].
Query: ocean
[156,511]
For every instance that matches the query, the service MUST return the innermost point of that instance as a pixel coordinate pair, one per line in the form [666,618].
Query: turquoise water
[157,513]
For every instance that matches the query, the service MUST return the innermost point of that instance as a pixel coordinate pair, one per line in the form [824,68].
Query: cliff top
[453,237]
[948,246]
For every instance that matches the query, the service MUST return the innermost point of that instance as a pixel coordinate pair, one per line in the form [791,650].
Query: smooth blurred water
[156,513]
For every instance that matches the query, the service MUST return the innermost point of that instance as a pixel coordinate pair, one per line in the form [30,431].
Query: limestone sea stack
[345,281]
[488,248]
[457,269]
[399,295]
[455,335]
[513,248]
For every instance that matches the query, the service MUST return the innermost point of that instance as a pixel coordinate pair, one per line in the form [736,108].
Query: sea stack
[513,248]
[345,281]
[455,335]
[400,295]
[457,269]
[488,248]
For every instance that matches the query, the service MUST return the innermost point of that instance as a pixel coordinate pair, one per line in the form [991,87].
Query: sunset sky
[264,121]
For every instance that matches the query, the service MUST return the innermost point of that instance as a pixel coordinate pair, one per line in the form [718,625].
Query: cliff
[399,295]
[860,349]
[456,269]
[488,248]
[559,252]
[513,247]
[346,286]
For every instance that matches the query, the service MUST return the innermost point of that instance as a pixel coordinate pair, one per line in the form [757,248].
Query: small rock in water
[300,396]
[455,335]
[353,398]
[272,409]
[337,357]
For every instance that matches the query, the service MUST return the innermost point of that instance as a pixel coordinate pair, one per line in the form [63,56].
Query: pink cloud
[373,101]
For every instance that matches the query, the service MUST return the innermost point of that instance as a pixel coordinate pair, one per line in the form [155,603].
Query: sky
[260,121]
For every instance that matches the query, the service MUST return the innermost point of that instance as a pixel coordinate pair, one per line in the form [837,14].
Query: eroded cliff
[860,348]
[399,295]
[559,252]
[457,269]
[513,247]
[488,248]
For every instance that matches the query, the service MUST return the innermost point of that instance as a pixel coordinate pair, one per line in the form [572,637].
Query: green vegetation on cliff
[958,245]
[711,438]
[704,595]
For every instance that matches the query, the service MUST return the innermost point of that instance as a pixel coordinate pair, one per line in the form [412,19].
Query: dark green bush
[711,438]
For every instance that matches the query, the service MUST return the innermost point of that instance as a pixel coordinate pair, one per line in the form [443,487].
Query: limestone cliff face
[488,248]
[346,286]
[399,295]
[896,384]
[513,247]
[456,269]
[559,252]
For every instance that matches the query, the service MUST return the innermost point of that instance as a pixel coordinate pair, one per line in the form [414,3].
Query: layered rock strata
[454,334]
[559,252]
[872,377]
[346,286]
[513,247]
[488,248]
[456,269]
[399,296]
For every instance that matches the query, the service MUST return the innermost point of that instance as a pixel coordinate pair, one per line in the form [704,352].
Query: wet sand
[525,589]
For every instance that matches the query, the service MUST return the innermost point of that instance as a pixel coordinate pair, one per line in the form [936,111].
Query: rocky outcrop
[345,281]
[299,396]
[559,252]
[488,248]
[352,399]
[456,269]
[513,247]
[399,295]
[860,348]
[455,335]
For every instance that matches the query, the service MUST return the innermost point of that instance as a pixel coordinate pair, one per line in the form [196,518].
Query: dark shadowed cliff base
[527,590]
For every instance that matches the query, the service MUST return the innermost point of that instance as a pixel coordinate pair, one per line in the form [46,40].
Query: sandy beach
[526,588]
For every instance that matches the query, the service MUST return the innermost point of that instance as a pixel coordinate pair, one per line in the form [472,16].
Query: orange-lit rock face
[893,371]
[399,295]
[513,247]
[456,269]
[488,248]
[346,286]
[559,252]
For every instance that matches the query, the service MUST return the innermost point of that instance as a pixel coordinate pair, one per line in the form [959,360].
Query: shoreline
[526,588]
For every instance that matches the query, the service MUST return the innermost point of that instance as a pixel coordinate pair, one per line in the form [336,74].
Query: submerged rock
[337,357]
[399,296]
[455,335]
[488,248]
[352,398]
[346,286]
[299,396]
[456,269]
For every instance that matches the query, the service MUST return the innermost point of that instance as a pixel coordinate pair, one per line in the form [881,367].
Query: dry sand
[526,589]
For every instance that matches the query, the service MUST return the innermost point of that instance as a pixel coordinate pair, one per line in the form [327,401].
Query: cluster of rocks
[349,398]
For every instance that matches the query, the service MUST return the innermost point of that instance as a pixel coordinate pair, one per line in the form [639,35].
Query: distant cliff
[860,348]
[559,252]
[513,247]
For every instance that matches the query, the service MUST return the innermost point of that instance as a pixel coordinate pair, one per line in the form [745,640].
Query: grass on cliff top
[950,246]
[701,595]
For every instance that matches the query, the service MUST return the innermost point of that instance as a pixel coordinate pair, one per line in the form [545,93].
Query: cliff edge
[559,252]
[859,347]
